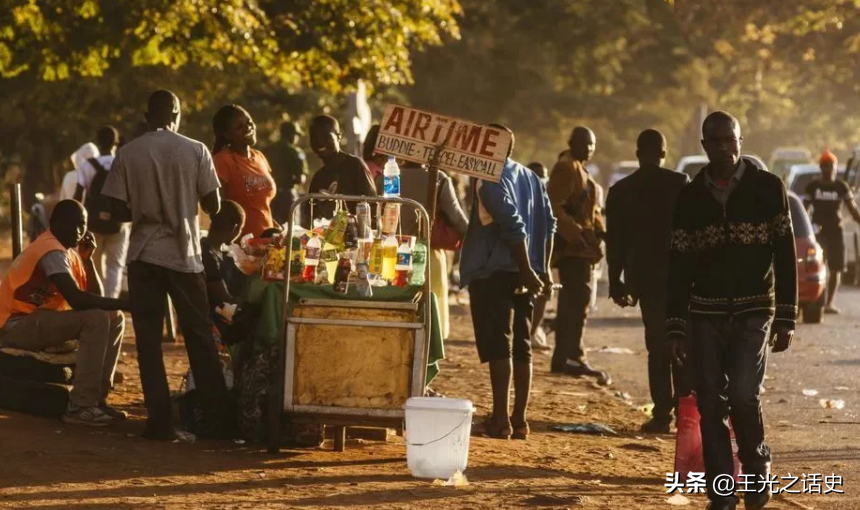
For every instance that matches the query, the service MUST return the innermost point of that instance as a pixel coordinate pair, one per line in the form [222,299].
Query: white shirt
[86,172]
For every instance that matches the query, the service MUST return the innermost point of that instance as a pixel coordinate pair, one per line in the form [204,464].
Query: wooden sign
[467,148]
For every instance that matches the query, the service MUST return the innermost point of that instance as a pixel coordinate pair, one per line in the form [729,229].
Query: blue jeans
[729,356]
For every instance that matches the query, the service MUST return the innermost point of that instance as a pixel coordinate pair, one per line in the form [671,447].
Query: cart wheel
[339,438]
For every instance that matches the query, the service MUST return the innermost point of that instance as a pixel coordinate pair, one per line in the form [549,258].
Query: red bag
[443,236]
[689,457]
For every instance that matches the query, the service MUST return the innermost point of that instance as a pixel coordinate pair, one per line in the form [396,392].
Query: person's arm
[450,206]
[116,187]
[79,193]
[616,250]
[682,262]
[785,274]
[208,184]
[56,265]
[211,203]
[559,190]
[497,200]
[363,181]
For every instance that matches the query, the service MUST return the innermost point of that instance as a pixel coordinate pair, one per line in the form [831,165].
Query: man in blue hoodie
[505,264]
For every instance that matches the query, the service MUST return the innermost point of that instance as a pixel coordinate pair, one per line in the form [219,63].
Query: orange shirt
[26,288]
[249,182]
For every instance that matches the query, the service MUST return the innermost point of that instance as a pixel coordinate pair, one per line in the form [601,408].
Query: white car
[691,165]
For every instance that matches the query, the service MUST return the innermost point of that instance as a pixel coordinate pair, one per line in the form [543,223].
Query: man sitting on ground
[51,295]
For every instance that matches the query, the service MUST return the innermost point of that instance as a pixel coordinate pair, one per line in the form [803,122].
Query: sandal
[497,430]
[521,432]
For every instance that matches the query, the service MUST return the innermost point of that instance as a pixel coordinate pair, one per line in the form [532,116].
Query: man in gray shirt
[161,177]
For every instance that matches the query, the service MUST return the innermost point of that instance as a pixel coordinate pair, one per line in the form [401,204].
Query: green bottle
[419,263]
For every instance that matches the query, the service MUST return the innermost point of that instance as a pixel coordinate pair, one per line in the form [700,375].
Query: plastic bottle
[391,178]
[419,264]
[390,218]
[341,275]
[312,258]
[403,265]
[363,220]
[389,258]
[375,265]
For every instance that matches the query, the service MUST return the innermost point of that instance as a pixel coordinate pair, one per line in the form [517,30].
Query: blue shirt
[505,213]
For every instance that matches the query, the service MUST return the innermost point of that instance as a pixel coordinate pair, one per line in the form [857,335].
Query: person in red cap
[825,197]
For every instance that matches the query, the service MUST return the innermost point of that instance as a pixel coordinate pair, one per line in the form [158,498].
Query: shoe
[159,435]
[497,430]
[832,310]
[87,416]
[657,426]
[730,503]
[578,368]
[520,431]
[113,412]
[758,500]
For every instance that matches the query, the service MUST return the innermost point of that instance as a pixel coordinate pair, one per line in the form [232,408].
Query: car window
[799,218]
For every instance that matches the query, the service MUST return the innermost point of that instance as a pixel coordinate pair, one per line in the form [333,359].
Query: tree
[69,66]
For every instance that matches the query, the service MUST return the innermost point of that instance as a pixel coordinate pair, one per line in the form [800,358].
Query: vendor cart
[344,360]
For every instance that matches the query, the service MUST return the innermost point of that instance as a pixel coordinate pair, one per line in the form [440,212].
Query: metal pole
[17,228]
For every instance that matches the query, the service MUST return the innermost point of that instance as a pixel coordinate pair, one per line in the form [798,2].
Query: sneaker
[832,310]
[88,416]
[113,412]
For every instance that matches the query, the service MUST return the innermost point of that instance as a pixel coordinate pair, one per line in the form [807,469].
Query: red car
[811,270]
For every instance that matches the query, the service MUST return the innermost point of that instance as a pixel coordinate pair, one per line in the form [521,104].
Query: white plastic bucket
[437,436]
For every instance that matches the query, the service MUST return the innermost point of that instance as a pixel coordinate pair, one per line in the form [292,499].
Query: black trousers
[729,356]
[149,285]
[665,378]
[573,303]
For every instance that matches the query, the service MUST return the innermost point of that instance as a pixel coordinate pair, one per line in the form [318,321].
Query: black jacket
[639,211]
[734,260]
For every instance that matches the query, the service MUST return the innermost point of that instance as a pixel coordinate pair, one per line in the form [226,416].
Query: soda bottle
[390,218]
[362,284]
[403,265]
[419,263]
[362,220]
[391,178]
[341,275]
[389,258]
[375,266]
[312,258]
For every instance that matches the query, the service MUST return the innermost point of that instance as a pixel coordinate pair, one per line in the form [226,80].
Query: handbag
[443,236]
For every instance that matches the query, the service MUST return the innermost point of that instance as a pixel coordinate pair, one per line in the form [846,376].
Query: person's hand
[590,237]
[87,246]
[125,305]
[531,282]
[548,283]
[780,338]
[676,350]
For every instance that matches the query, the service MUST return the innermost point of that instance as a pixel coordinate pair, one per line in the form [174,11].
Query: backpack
[99,206]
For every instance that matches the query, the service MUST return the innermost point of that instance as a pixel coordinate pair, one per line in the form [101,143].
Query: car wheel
[812,313]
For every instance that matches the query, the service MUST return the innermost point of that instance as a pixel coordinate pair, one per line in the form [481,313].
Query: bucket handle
[466,417]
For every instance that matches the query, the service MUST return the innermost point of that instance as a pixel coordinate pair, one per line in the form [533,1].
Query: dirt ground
[45,464]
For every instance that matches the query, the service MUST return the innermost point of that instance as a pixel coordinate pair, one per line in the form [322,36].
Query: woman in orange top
[244,172]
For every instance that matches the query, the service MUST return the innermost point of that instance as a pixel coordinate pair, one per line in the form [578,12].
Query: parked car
[691,165]
[783,158]
[811,270]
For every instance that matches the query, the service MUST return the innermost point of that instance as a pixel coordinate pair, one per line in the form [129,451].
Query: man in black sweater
[639,227]
[733,273]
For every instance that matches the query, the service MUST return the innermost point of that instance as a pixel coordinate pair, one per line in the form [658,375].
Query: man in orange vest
[51,295]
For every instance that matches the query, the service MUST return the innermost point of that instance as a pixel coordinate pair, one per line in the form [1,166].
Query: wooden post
[339,438]
[17,227]
[432,190]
